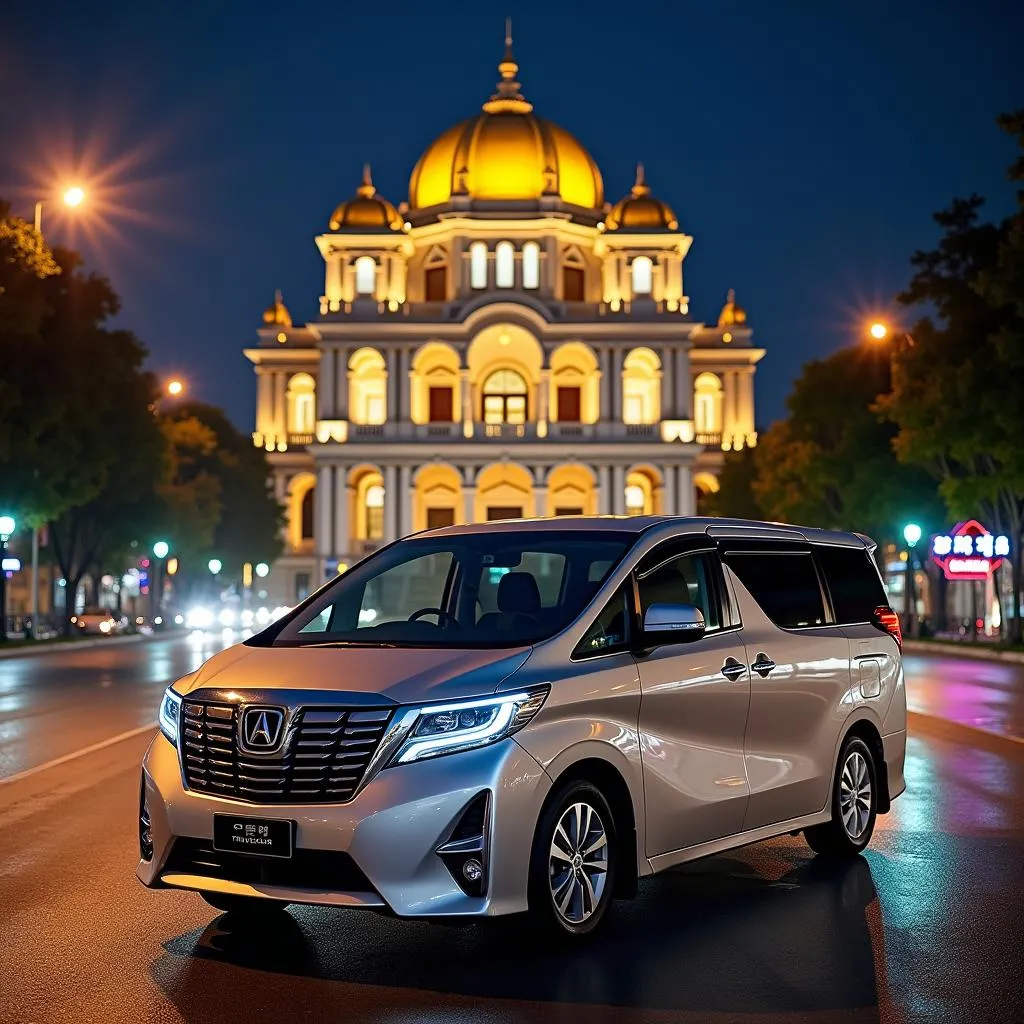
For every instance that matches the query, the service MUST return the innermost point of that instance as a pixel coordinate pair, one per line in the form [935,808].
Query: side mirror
[673,623]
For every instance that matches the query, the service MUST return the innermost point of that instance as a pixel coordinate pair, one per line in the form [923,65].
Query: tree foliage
[735,498]
[958,385]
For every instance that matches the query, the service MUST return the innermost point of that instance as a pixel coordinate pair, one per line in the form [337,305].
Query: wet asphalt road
[928,926]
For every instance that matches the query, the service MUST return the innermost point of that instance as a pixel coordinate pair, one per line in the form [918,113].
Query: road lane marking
[78,753]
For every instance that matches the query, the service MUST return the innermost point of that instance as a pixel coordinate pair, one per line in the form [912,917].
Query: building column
[392,501]
[684,389]
[342,384]
[264,403]
[618,503]
[404,385]
[323,521]
[747,418]
[604,490]
[605,399]
[669,499]
[540,501]
[280,405]
[686,499]
[668,384]
[325,385]
[391,357]
[616,384]
[342,539]
[405,500]
[468,502]
[467,404]
[543,401]
[729,419]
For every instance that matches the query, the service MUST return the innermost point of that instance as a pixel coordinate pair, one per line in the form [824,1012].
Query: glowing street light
[879,331]
[215,565]
[74,196]
[262,570]
[7,527]
[175,387]
[912,534]
[161,548]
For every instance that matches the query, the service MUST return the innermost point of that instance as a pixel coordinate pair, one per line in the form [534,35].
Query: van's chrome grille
[323,760]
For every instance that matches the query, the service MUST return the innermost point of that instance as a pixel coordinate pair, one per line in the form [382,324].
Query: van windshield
[485,589]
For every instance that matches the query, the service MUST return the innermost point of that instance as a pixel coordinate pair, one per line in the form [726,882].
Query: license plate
[261,837]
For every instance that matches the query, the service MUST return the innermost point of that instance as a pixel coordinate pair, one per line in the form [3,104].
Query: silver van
[532,716]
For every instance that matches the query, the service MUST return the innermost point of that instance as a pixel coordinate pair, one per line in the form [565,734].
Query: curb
[72,645]
[963,650]
[959,732]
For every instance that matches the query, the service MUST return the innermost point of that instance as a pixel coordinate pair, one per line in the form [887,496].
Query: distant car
[98,621]
[493,718]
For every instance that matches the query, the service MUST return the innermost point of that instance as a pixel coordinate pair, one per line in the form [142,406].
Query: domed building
[503,343]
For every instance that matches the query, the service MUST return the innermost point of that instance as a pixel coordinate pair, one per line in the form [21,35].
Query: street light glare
[879,331]
[912,534]
[74,196]
[175,388]
[160,549]
[215,565]
[7,525]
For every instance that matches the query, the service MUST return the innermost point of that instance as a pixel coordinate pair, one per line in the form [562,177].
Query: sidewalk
[949,691]
[85,644]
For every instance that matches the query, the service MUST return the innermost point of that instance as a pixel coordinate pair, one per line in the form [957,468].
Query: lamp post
[160,551]
[7,526]
[72,197]
[911,535]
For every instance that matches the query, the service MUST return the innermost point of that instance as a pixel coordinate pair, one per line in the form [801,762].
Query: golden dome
[640,211]
[731,314]
[368,211]
[506,152]
[278,312]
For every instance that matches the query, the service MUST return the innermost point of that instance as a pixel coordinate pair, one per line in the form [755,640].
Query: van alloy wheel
[578,863]
[855,795]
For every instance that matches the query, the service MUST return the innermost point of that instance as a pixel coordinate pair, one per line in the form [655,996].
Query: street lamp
[7,527]
[215,565]
[161,549]
[879,331]
[911,535]
[156,589]
[262,570]
[175,387]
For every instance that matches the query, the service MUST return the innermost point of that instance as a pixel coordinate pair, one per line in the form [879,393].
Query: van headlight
[170,711]
[448,728]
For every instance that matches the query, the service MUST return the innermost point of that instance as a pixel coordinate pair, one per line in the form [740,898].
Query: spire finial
[640,186]
[278,301]
[508,97]
[731,296]
[367,189]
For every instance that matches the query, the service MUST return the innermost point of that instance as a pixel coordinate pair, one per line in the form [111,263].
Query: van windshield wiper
[350,643]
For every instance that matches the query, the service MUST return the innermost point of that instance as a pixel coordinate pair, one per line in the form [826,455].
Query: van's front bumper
[391,830]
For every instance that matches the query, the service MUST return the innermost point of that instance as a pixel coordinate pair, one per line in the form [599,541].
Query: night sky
[803,145]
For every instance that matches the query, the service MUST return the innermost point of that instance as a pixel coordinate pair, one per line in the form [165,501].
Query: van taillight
[889,622]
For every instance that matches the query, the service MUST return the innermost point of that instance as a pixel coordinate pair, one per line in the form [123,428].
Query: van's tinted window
[610,630]
[784,584]
[853,583]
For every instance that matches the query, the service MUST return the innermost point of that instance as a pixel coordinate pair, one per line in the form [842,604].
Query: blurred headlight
[199,618]
[262,616]
[228,618]
[105,626]
[449,728]
[170,710]
[246,617]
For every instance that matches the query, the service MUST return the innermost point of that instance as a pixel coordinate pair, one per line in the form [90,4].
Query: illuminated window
[642,269]
[478,265]
[636,500]
[505,394]
[374,512]
[366,275]
[531,265]
[641,387]
[301,404]
[504,265]
[707,404]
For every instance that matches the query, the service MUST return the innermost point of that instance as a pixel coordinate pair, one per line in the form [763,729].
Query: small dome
[367,211]
[732,315]
[508,153]
[277,313]
[640,211]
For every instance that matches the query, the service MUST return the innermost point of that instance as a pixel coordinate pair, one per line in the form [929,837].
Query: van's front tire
[854,804]
[572,866]
[254,907]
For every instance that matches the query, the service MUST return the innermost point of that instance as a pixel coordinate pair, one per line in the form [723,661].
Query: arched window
[478,265]
[642,271]
[504,265]
[641,387]
[374,512]
[505,395]
[307,514]
[531,265]
[301,404]
[636,500]
[366,275]
[707,406]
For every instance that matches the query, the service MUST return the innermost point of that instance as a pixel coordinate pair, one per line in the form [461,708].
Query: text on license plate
[264,837]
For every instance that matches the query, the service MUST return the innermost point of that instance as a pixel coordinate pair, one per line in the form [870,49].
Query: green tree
[735,497]
[831,462]
[958,385]
[24,262]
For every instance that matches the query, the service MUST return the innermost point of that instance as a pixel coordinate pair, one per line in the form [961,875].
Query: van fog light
[473,870]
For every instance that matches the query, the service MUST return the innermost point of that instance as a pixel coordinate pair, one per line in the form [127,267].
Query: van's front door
[693,710]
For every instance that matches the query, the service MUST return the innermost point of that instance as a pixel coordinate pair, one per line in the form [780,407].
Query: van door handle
[732,669]
[763,665]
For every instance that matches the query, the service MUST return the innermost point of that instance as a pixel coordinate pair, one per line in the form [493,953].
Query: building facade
[503,344]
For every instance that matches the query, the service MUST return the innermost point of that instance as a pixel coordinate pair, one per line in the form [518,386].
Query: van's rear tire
[854,804]
[573,862]
[245,906]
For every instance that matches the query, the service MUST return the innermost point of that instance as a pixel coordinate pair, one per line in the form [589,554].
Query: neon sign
[970,552]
